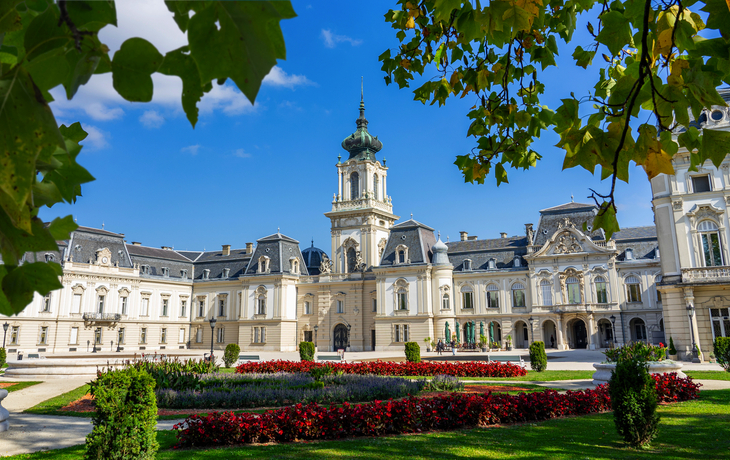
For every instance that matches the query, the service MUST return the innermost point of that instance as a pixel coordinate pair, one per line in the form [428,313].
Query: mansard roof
[157,253]
[632,233]
[86,241]
[417,237]
[280,249]
[568,207]
[480,252]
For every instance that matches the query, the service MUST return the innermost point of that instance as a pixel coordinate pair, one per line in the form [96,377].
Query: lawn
[708,375]
[52,406]
[19,386]
[694,429]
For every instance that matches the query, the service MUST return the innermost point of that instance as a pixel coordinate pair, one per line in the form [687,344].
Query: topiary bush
[3,356]
[672,350]
[722,352]
[538,358]
[230,356]
[634,401]
[413,352]
[306,351]
[125,421]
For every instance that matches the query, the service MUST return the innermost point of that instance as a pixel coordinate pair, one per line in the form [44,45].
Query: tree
[47,43]
[654,60]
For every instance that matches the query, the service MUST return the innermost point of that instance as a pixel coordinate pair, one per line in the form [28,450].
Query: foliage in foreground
[538,358]
[462,369]
[655,57]
[413,352]
[230,355]
[722,352]
[636,351]
[3,356]
[634,401]
[306,351]
[125,420]
[174,372]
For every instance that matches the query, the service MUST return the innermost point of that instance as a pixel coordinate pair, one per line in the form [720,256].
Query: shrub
[672,350]
[125,420]
[413,352]
[538,358]
[634,401]
[637,350]
[3,357]
[306,351]
[722,352]
[230,355]
[173,373]
[318,373]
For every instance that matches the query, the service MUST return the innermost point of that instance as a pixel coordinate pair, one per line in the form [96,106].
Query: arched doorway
[521,335]
[577,334]
[549,334]
[340,337]
[605,333]
[638,330]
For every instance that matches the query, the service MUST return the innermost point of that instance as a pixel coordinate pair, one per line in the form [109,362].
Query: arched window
[351,260]
[264,264]
[445,302]
[354,186]
[517,262]
[376,187]
[401,294]
[633,289]
[492,296]
[711,249]
[601,291]
[467,264]
[638,329]
[467,296]
[518,295]
[492,264]
[546,289]
[572,285]
[261,300]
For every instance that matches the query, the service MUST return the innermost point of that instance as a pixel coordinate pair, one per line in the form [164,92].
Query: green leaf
[20,283]
[44,34]
[132,69]
[715,145]
[92,14]
[180,64]
[606,219]
[61,227]
[616,32]
[9,17]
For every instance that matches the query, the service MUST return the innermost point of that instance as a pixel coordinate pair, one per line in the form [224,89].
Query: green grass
[532,376]
[708,375]
[695,429]
[52,406]
[20,386]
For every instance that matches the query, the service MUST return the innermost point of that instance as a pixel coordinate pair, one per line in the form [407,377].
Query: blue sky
[245,171]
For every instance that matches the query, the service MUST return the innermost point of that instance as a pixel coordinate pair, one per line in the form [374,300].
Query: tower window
[354,186]
[376,186]
[701,184]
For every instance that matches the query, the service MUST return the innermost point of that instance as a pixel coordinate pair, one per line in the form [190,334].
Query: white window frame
[633,289]
[515,288]
[492,297]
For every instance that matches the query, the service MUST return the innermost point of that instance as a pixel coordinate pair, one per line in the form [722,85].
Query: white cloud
[331,40]
[152,119]
[150,20]
[226,98]
[96,139]
[191,149]
[278,77]
[240,153]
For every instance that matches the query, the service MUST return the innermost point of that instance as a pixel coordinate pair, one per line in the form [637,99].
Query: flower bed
[412,415]
[466,369]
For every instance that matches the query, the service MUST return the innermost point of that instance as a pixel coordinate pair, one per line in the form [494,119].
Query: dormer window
[184,274]
[467,264]
[206,274]
[165,272]
[492,264]
[629,254]
[226,272]
[49,257]
[144,269]
[517,262]
[264,264]
[401,254]
[294,265]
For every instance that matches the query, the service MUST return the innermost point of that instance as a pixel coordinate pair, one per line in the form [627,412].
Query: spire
[361,144]
[362,122]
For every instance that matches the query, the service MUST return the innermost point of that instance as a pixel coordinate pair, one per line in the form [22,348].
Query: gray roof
[419,239]
[157,253]
[85,242]
[192,255]
[568,207]
[502,250]
[632,233]
[279,249]
[642,240]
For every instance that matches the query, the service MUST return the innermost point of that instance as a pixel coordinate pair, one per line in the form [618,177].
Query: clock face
[104,260]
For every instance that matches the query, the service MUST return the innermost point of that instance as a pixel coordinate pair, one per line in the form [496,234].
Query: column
[561,344]
[339,185]
[591,342]
[385,187]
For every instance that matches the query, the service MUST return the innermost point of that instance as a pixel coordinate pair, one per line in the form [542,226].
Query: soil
[7,384]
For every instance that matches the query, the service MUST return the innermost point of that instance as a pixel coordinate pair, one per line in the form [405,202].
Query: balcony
[706,275]
[94,318]
[362,203]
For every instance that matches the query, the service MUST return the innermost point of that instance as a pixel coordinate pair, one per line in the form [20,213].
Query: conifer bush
[538,358]
[672,350]
[413,352]
[230,355]
[3,356]
[634,401]
[125,421]
[306,351]
[722,352]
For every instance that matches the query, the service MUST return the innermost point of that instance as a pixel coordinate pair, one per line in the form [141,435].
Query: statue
[530,234]
[326,265]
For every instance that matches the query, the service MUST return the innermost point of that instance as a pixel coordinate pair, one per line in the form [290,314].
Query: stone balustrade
[706,275]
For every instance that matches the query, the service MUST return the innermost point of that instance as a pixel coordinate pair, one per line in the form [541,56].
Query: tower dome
[313,258]
[440,250]
[361,144]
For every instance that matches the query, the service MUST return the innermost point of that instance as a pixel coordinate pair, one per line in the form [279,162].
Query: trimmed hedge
[458,369]
[3,356]
[230,355]
[634,401]
[125,419]
[413,352]
[722,352]
[538,358]
[306,351]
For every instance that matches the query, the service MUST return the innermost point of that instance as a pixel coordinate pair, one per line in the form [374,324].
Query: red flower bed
[670,388]
[465,369]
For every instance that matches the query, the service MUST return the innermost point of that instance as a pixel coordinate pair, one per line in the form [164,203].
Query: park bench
[329,358]
[249,358]
[34,356]
[515,359]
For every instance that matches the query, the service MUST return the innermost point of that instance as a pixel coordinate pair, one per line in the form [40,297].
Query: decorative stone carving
[104,257]
[677,205]
[325,266]
[530,233]
[381,246]
[566,223]
[702,212]
[567,243]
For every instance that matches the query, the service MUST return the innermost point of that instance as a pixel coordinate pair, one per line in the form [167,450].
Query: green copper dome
[361,144]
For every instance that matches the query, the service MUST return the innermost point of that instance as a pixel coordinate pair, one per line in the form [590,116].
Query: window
[14,334]
[467,264]
[183,307]
[307,307]
[492,264]
[198,335]
[226,272]
[633,289]
[720,320]
[340,306]
[100,308]
[518,295]
[74,340]
[517,261]
[165,304]
[601,291]
[445,302]
[308,336]
[354,186]
[467,297]
[184,274]
[143,335]
[546,289]
[294,264]
[120,336]
[401,333]
[710,243]
[400,288]
[49,257]
[263,264]
[375,305]
[206,274]
[572,286]
[145,306]
[402,256]
[375,187]
[76,304]
[181,336]
[658,296]
[163,335]
[46,307]
[221,336]
[123,302]
[259,335]
[701,184]
[201,308]
[629,254]
[261,302]
[42,339]
[492,296]
[144,269]
[222,307]
[97,336]
[165,272]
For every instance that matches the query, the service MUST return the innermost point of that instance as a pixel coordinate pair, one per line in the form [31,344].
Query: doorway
[579,335]
[549,334]
[340,337]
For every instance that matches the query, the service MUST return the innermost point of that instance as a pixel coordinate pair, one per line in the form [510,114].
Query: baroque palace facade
[385,283]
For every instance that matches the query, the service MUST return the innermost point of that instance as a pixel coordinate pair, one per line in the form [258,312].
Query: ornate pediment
[567,243]
[104,257]
[698,213]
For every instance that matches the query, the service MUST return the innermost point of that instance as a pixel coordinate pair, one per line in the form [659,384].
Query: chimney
[464,236]
[226,249]
[503,235]
[136,243]
[249,248]
[473,238]
[167,248]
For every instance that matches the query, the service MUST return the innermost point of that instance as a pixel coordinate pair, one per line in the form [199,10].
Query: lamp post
[348,336]
[212,330]
[316,328]
[88,342]
[690,314]
[112,348]
[532,333]
[5,331]
[613,328]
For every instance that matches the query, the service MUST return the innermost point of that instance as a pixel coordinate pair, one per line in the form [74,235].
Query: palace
[387,281]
